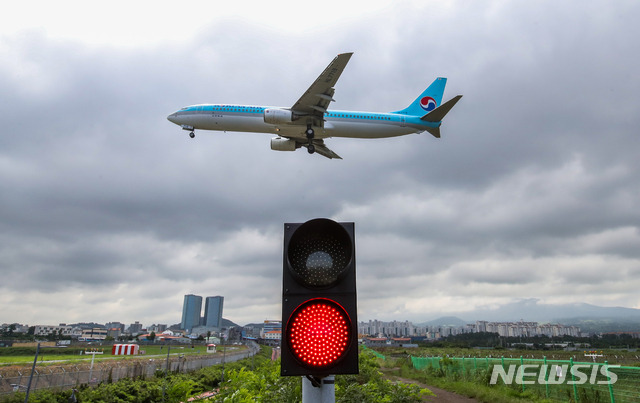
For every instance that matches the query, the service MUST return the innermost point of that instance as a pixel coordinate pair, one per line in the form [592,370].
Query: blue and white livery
[309,121]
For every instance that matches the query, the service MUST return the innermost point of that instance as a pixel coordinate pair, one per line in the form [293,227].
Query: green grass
[476,390]
[614,357]
[48,358]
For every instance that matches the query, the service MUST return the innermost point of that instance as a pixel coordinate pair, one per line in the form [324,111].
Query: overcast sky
[108,212]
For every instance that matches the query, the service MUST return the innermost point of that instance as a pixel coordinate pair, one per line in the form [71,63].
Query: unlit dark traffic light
[319,302]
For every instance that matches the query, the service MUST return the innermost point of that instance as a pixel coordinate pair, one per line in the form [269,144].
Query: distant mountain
[256,325]
[595,325]
[227,323]
[531,310]
[590,318]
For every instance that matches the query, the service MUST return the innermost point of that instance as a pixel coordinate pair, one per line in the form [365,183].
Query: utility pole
[224,353]
[33,369]
[166,370]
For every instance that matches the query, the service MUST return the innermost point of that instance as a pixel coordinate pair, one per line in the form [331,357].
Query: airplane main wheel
[311,149]
[192,135]
[309,133]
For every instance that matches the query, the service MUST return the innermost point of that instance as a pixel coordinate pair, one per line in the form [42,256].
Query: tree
[8,331]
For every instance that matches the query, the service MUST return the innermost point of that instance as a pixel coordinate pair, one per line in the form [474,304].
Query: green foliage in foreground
[263,383]
[266,385]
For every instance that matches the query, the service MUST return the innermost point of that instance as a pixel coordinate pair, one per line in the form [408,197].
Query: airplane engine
[277,116]
[280,144]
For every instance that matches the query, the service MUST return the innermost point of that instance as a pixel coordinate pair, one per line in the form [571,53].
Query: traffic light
[319,302]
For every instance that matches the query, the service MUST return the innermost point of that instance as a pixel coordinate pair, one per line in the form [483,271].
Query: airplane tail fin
[429,100]
[436,115]
[440,112]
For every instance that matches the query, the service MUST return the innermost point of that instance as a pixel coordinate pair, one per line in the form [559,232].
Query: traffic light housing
[319,302]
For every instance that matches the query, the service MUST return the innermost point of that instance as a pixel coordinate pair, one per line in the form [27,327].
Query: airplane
[309,121]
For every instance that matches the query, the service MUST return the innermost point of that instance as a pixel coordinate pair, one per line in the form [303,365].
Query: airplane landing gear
[310,134]
[192,130]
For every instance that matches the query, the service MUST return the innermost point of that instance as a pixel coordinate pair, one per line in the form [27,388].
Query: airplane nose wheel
[311,148]
[192,135]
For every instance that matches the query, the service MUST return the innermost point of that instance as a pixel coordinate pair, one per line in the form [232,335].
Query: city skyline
[522,310]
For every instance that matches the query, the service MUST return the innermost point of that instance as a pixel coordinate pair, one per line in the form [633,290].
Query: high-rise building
[191,312]
[135,328]
[213,311]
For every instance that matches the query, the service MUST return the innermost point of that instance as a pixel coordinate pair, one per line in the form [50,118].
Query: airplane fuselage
[246,118]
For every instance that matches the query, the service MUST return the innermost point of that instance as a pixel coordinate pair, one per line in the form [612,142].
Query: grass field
[614,357]
[55,356]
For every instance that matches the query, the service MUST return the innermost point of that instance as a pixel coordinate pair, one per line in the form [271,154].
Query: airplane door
[402,121]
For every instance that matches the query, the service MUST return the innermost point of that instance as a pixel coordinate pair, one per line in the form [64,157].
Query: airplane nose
[172,118]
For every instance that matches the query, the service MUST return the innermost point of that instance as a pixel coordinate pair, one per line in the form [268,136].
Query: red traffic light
[319,302]
[319,333]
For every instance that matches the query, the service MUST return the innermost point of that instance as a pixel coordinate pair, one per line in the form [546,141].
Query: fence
[13,379]
[553,379]
[377,354]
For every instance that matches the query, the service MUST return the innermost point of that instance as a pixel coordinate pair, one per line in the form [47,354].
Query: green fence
[554,379]
[377,354]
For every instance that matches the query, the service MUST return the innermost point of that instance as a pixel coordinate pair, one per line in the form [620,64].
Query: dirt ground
[441,395]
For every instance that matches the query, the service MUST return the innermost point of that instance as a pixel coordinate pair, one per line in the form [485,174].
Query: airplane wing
[313,104]
[324,150]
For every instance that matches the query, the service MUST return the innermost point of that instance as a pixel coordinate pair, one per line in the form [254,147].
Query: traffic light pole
[324,392]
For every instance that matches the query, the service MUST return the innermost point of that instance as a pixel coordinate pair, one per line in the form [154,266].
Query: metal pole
[522,373]
[546,377]
[166,370]
[606,367]
[324,393]
[573,379]
[35,360]
[224,353]
[93,357]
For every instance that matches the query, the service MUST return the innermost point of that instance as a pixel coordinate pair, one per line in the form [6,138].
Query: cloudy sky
[108,212]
